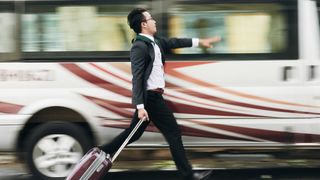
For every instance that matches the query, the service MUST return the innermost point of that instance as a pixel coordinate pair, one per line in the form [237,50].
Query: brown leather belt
[157,90]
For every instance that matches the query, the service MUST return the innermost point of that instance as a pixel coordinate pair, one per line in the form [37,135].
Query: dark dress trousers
[142,58]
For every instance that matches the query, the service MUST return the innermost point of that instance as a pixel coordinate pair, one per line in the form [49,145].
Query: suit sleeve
[173,43]
[137,58]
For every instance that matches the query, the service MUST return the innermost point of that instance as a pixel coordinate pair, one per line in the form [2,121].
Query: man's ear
[143,24]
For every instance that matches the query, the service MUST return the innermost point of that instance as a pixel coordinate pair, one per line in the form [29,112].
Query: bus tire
[52,149]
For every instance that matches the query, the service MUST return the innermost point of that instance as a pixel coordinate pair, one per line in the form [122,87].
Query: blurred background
[85,31]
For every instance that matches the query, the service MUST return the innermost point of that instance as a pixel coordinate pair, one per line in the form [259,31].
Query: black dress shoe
[204,175]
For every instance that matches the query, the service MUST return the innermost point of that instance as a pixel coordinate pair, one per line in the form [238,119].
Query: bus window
[66,27]
[8,35]
[261,28]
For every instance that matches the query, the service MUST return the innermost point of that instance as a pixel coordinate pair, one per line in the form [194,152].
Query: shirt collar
[147,36]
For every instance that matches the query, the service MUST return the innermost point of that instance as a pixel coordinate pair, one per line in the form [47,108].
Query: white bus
[65,80]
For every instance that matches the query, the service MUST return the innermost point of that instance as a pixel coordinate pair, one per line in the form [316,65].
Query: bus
[65,80]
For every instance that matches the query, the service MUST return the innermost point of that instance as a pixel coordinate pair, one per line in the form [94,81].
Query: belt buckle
[158,90]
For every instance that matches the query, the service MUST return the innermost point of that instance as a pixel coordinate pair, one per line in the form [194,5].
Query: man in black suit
[147,62]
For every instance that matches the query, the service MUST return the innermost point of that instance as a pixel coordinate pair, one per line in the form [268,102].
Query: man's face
[149,25]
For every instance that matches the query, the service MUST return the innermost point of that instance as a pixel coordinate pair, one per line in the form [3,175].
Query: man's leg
[115,144]
[164,120]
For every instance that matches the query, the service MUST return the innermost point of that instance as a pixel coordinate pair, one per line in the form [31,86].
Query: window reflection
[259,28]
[76,28]
[8,32]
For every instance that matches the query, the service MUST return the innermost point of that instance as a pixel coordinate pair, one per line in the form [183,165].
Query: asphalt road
[12,170]
[219,174]
[240,174]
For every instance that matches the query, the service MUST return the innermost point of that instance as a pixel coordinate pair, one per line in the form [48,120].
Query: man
[147,62]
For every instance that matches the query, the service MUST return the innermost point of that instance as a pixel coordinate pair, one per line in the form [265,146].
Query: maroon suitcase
[95,163]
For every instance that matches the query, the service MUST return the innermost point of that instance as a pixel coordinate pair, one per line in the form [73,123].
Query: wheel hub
[55,155]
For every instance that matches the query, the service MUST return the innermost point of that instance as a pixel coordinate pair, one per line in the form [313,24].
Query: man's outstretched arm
[173,43]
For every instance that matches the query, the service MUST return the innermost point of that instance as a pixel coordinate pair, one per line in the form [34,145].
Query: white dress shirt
[156,78]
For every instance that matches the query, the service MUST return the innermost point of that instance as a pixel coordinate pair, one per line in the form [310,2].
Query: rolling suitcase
[95,163]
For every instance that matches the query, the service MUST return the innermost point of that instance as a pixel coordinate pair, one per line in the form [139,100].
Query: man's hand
[143,113]
[207,42]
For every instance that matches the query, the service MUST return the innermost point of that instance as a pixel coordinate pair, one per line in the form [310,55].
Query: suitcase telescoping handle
[128,139]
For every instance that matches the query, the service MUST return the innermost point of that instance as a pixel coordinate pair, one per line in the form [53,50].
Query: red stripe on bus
[183,108]
[185,130]
[10,108]
[115,107]
[120,90]
[108,72]
[96,80]
[269,135]
[216,87]
[231,102]
[172,65]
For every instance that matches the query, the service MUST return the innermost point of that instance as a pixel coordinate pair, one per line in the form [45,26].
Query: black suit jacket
[142,58]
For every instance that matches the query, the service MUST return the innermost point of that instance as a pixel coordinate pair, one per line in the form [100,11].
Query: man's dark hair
[135,17]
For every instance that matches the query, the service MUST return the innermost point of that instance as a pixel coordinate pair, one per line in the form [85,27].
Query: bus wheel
[53,149]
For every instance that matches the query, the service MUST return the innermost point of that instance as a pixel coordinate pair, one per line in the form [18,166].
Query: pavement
[11,169]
